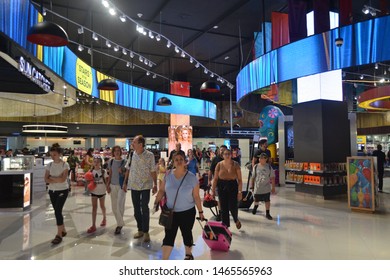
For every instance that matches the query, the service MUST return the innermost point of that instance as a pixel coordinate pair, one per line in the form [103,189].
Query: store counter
[16,181]
[16,189]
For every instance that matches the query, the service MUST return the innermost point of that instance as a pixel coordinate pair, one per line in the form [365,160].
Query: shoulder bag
[166,215]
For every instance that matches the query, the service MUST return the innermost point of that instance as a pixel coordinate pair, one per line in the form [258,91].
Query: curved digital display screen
[16,18]
[364,43]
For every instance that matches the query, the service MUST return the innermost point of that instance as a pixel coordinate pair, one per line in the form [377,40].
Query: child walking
[262,184]
[99,193]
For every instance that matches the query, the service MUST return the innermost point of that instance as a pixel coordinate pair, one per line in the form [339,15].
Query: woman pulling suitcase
[228,180]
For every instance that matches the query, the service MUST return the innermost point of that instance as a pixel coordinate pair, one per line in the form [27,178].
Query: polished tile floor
[304,228]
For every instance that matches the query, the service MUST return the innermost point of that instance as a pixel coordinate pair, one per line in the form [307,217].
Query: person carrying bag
[181,189]
[166,215]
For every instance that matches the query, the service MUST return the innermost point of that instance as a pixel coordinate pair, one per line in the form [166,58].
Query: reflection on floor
[303,228]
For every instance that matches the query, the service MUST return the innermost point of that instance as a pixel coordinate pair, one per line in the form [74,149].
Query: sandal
[91,229]
[57,240]
[103,223]
[189,257]
[238,224]
[118,230]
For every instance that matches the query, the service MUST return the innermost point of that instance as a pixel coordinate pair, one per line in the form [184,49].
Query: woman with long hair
[88,160]
[117,171]
[228,180]
[56,176]
[185,184]
[192,163]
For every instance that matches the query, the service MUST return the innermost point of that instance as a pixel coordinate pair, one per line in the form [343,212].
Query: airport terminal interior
[311,78]
[303,229]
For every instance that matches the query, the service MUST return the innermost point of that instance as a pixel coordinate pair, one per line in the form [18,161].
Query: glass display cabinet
[16,181]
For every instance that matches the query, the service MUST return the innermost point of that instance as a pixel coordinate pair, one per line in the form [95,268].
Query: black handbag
[166,215]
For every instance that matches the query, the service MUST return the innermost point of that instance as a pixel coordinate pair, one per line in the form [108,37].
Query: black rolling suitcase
[247,197]
[246,201]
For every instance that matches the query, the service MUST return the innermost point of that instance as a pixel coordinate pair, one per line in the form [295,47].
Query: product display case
[18,163]
[16,177]
[323,179]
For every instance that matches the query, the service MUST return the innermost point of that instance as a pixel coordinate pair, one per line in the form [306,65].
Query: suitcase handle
[200,222]
[247,195]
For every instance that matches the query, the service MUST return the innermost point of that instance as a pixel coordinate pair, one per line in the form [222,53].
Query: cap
[263,155]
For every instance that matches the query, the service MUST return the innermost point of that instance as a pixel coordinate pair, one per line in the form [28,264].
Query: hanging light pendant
[210,87]
[47,33]
[108,84]
[164,101]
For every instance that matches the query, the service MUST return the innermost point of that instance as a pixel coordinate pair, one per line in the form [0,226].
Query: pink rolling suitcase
[216,235]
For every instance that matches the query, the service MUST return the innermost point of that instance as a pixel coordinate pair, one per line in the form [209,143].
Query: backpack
[112,160]
[121,177]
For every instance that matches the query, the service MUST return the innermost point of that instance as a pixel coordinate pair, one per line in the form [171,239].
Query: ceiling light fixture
[94,36]
[108,84]
[108,44]
[169,44]
[164,101]
[44,128]
[116,48]
[124,51]
[112,11]
[80,30]
[210,87]
[80,48]
[47,34]
[122,18]
[370,10]
[140,29]
[105,3]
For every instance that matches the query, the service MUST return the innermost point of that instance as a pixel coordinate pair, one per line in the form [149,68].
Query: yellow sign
[84,76]
[362,139]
